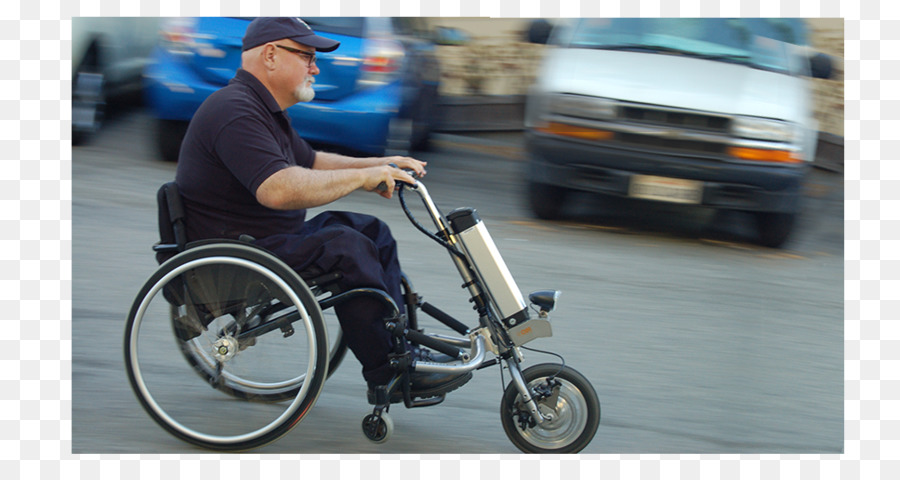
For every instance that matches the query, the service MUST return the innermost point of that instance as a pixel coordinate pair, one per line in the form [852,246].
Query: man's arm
[332,177]
[333,161]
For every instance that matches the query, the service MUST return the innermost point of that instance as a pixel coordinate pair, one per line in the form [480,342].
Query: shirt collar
[247,78]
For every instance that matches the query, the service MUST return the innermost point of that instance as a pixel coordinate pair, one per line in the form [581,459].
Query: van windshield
[756,42]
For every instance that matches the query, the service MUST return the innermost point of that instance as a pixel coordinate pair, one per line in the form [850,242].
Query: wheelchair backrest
[172,235]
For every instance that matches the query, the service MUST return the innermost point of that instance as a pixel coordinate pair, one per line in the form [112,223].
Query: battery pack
[489,266]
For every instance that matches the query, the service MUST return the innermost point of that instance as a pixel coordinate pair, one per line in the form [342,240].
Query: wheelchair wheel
[252,330]
[561,393]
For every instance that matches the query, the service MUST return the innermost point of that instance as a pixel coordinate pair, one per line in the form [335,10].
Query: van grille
[691,121]
[673,120]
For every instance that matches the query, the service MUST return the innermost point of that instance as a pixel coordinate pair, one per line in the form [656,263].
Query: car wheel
[774,228]
[547,201]
[423,121]
[411,130]
[88,104]
[169,135]
[399,139]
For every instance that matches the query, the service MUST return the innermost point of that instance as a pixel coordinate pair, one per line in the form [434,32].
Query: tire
[424,119]
[169,135]
[576,413]
[88,103]
[378,428]
[774,228]
[410,131]
[399,139]
[223,292]
[546,201]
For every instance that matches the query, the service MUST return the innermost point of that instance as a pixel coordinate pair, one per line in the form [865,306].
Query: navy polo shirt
[236,140]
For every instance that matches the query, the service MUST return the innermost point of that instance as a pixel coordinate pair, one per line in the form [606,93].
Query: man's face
[300,70]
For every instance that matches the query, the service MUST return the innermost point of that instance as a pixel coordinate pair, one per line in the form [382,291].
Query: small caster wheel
[378,428]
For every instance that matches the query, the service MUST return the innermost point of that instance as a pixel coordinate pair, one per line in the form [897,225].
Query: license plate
[666,189]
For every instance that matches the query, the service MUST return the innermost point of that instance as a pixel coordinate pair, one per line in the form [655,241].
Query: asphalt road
[695,339]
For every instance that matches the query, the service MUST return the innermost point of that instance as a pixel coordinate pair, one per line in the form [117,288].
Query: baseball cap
[268,29]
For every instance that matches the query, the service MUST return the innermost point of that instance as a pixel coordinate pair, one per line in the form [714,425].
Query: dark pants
[363,250]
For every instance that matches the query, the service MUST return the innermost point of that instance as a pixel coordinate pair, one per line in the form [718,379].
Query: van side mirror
[539,31]
[820,66]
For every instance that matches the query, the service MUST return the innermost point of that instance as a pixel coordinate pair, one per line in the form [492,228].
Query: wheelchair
[263,340]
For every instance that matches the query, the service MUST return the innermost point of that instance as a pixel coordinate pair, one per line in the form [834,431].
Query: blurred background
[481,68]
[698,336]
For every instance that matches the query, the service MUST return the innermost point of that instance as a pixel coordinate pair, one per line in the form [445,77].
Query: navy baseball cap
[268,29]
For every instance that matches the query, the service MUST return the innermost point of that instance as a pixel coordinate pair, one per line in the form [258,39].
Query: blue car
[376,94]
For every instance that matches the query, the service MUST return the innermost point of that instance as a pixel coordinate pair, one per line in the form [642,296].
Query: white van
[712,112]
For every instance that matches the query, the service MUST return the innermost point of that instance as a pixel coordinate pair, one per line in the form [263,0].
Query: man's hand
[408,163]
[383,179]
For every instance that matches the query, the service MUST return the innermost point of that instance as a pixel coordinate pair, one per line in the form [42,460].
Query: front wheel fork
[527,400]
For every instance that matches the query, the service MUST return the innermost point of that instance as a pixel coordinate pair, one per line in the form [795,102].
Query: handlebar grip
[382,187]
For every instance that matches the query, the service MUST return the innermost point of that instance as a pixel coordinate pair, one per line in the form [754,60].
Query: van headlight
[765,129]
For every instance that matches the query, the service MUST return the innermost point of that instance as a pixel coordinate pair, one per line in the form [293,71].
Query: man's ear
[268,56]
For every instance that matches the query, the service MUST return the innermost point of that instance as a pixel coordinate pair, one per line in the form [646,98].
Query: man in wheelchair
[243,171]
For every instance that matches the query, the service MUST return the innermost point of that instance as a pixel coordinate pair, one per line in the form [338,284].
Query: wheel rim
[569,417]
[184,425]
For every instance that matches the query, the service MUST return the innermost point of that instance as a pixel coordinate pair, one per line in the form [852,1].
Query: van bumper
[609,170]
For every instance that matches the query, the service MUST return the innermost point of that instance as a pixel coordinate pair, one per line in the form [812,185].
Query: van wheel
[169,135]
[774,228]
[547,201]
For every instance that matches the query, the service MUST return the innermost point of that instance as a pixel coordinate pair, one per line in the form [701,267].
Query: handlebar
[382,187]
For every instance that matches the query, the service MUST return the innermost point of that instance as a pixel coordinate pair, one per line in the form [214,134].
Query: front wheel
[568,401]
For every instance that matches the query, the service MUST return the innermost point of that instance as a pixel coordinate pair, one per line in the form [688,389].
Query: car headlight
[543,113]
[765,129]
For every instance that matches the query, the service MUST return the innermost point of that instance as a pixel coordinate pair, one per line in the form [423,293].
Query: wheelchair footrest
[380,397]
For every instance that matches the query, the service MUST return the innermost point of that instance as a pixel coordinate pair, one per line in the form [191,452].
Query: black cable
[560,357]
[422,229]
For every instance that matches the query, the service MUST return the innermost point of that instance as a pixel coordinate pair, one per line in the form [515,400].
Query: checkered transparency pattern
[35,255]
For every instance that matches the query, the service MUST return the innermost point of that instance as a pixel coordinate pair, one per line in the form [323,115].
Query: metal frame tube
[475,360]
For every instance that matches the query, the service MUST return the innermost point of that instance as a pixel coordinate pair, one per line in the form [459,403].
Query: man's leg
[340,248]
[379,233]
